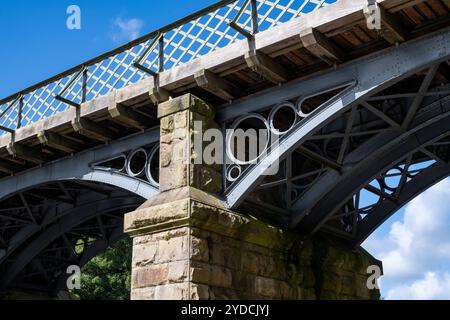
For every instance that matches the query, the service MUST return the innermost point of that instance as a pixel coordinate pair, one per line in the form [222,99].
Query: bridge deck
[284,52]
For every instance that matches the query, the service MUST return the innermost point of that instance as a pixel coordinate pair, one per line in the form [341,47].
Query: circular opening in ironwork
[152,171]
[247,139]
[136,163]
[392,178]
[302,109]
[234,172]
[282,118]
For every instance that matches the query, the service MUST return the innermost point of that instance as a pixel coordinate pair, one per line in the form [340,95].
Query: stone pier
[187,245]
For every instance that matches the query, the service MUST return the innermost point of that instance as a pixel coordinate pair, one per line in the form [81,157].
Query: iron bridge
[359,122]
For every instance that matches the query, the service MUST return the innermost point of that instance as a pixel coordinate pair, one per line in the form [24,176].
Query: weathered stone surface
[199,249]
[178,271]
[200,292]
[219,252]
[187,101]
[172,291]
[144,254]
[267,287]
[159,217]
[149,276]
[210,274]
[173,249]
[143,293]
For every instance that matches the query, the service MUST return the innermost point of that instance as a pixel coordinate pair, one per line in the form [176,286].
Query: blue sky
[414,246]
[38,45]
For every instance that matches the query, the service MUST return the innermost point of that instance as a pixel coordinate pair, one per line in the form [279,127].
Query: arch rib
[78,215]
[371,74]
[385,209]
[79,167]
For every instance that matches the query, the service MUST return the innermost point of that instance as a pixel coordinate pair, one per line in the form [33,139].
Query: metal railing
[195,35]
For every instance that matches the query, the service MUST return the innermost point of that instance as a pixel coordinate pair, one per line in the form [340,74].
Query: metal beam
[380,160]
[331,182]
[76,217]
[414,55]
[78,167]
[385,209]
[318,158]
[345,140]
[433,156]
[27,207]
[380,114]
[380,193]
[417,102]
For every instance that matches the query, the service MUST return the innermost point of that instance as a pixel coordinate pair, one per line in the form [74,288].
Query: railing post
[84,85]
[19,113]
[254,17]
[161,53]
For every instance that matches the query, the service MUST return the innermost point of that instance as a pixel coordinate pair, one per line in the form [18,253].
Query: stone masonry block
[267,287]
[143,293]
[211,275]
[144,254]
[178,271]
[199,249]
[149,276]
[173,249]
[187,101]
[172,291]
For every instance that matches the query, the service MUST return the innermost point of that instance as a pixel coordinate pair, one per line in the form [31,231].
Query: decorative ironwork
[141,163]
[269,127]
[350,155]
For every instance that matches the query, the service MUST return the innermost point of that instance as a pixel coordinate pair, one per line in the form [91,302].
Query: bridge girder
[38,202]
[385,208]
[86,166]
[356,86]
[334,191]
[62,228]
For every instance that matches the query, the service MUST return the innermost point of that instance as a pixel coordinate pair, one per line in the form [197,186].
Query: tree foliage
[108,276]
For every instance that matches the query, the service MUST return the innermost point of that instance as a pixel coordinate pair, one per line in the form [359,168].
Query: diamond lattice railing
[182,41]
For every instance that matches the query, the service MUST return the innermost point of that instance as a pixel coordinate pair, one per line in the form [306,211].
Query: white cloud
[431,287]
[416,251]
[126,30]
